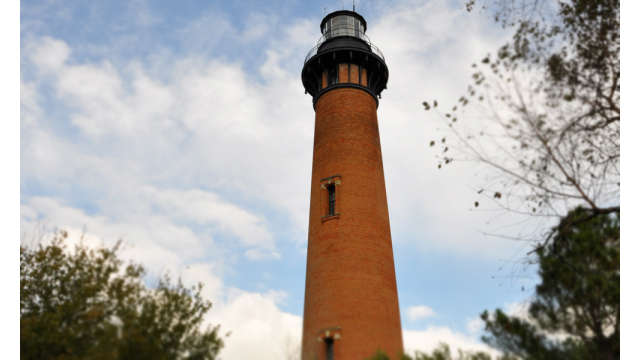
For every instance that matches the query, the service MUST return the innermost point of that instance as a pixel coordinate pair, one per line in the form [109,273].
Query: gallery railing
[343,31]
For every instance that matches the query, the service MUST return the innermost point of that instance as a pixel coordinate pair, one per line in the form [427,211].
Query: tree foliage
[576,310]
[443,352]
[552,95]
[549,109]
[85,304]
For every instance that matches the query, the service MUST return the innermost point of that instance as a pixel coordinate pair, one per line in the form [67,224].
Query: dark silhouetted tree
[85,304]
[575,313]
[443,352]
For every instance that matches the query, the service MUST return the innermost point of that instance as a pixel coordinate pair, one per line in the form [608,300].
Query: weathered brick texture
[350,285]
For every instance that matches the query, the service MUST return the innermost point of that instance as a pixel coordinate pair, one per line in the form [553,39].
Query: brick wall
[350,285]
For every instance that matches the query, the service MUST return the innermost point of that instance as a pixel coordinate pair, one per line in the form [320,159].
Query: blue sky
[183,128]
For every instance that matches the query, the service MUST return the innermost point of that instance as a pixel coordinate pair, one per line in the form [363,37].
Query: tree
[552,134]
[443,352]
[86,305]
[576,310]
[552,95]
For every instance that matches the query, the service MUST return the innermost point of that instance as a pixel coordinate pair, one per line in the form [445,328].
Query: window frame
[330,200]
[331,189]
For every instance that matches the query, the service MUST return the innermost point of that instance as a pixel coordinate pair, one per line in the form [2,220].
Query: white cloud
[191,161]
[259,330]
[97,91]
[114,109]
[429,339]
[48,54]
[419,312]
[257,26]
[205,208]
[140,12]
[203,125]
[159,245]
[518,309]
[204,273]
[30,110]
[164,220]
[208,123]
[475,326]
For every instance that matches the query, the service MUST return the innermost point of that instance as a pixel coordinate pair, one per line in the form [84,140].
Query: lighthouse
[351,300]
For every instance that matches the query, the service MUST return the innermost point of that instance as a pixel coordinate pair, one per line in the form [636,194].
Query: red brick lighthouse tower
[351,301]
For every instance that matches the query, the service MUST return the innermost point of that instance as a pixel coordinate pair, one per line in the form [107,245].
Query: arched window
[331,189]
[329,344]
